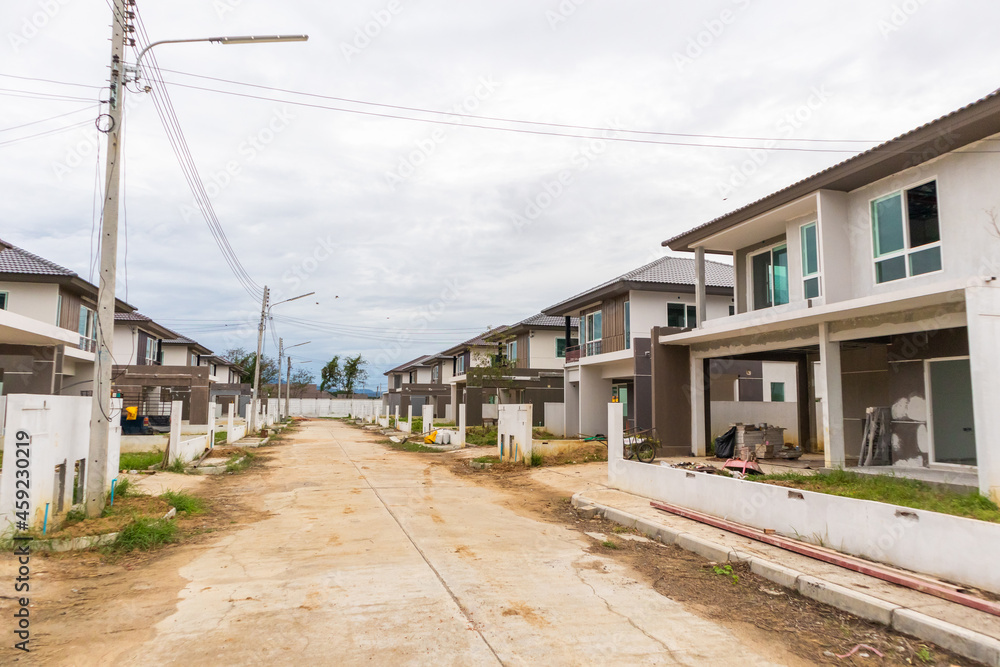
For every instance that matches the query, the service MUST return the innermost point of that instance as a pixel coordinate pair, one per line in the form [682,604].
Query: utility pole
[255,397]
[281,352]
[100,425]
[288,385]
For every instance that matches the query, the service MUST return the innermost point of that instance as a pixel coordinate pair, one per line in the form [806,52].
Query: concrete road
[374,556]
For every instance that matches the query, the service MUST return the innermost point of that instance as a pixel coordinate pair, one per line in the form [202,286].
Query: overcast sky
[415,235]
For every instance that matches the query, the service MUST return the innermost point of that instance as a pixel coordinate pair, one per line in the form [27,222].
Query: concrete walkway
[373,556]
[973,634]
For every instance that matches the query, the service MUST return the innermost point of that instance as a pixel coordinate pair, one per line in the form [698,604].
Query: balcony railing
[88,344]
[577,352]
[573,354]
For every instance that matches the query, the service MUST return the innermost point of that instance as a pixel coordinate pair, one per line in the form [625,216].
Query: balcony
[88,344]
[577,352]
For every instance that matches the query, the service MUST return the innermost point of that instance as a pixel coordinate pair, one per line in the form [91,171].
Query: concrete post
[697,394]
[396,415]
[176,410]
[427,412]
[461,425]
[616,441]
[833,399]
[229,423]
[409,418]
[211,424]
[983,308]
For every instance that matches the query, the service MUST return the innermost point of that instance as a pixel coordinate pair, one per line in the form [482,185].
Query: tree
[247,360]
[301,378]
[332,377]
[354,373]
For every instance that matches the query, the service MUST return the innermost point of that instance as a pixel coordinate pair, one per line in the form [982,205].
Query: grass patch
[608,544]
[409,446]
[144,533]
[74,516]
[481,436]
[417,425]
[892,490]
[184,502]
[177,466]
[536,459]
[540,433]
[487,459]
[444,424]
[240,461]
[124,489]
[220,436]
[139,460]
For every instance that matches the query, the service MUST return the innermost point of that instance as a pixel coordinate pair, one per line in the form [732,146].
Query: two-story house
[48,328]
[878,278]
[612,360]
[474,353]
[418,382]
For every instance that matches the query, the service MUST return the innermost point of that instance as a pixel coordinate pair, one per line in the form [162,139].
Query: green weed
[608,544]
[726,570]
[184,502]
[138,460]
[144,533]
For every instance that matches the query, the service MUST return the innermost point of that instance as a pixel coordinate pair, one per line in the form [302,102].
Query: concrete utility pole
[281,352]
[255,397]
[100,424]
[288,385]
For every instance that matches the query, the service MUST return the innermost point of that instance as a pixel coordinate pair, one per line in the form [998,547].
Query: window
[628,327]
[592,332]
[561,346]
[512,350]
[87,328]
[3,301]
[906,233]
[152,351]
[732,310]
[778,392]
[682,316]
[410,380]
[769,277]
[435,374]
[810,261]
[460,365]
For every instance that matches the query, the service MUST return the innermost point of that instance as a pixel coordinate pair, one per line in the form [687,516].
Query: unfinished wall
[671,380]
[727,413]
[514,433]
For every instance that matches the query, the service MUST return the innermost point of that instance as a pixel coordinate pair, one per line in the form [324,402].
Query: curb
[967,643]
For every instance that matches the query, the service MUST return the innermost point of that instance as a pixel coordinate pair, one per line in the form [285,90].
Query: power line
[515,120]
[62,83]
[45,120]
[46,133]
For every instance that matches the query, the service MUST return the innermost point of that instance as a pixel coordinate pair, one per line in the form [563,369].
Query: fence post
[461,424]
[173,446]
[229,423]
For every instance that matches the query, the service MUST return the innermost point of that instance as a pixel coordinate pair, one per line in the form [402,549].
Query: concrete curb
[967,643]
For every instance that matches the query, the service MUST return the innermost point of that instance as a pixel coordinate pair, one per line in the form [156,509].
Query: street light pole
[288,382]
[100,414]
[100,422]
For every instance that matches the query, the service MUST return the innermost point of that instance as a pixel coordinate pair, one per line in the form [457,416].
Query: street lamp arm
[249,39]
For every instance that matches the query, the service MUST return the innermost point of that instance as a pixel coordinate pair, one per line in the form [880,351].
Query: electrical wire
[62,83]
[34,94]
[178,142]
[46,133]
[45,120]
[515,120]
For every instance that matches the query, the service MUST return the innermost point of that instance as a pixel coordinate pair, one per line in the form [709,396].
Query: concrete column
[176,410]
[409,418]
[427,411]
[229,423]
[833,398]
[700,298]
[616,442]
[396,422]
[211,425]
[698,406]
[461,425]
[983,308]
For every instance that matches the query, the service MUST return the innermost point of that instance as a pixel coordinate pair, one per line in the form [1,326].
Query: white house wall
[176,355]
[542,350]
[778,371]
[39,301]
[649,309]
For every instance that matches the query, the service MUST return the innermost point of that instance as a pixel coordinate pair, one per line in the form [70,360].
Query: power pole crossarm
[100,426]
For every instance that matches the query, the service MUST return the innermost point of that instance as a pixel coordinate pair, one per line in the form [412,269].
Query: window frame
[460,365]
[6,301]
[772,387]
[816,275]
[907,250]
[690,314]
[627,312]
[589,319]
[770,277]
[152,346]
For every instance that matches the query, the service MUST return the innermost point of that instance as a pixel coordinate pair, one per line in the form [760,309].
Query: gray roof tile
[18,260]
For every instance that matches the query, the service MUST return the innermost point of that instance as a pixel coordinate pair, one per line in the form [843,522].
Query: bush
[536,459]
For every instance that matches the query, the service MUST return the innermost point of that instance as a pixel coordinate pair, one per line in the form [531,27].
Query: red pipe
[935,588]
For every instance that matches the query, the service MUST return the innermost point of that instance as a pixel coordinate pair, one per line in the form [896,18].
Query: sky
[416,235]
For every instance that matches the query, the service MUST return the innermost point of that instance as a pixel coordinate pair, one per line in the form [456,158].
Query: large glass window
[593,327]
[682,315]
[769,277]
[810,261]
[3,301]
[906,233]
[628,327]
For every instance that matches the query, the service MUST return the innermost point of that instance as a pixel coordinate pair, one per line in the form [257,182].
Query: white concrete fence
[514,434]
[326,407]
[56,430]
[952,548]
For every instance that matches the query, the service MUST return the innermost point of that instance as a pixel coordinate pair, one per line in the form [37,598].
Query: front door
[619,394]
[950,391]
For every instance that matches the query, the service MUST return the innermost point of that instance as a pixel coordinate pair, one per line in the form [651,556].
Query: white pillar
[409,418]
[697,394]
[616,441]
[211,424]
[229,423]
[396,421]
[700,299]
[427,411]
[983,308]
[830,379]
[176,410]
[461,425]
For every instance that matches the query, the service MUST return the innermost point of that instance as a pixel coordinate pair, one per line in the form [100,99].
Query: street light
[249,39]
[100,420]
[288,384]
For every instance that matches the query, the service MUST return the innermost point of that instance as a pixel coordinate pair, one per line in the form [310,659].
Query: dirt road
[347,552]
